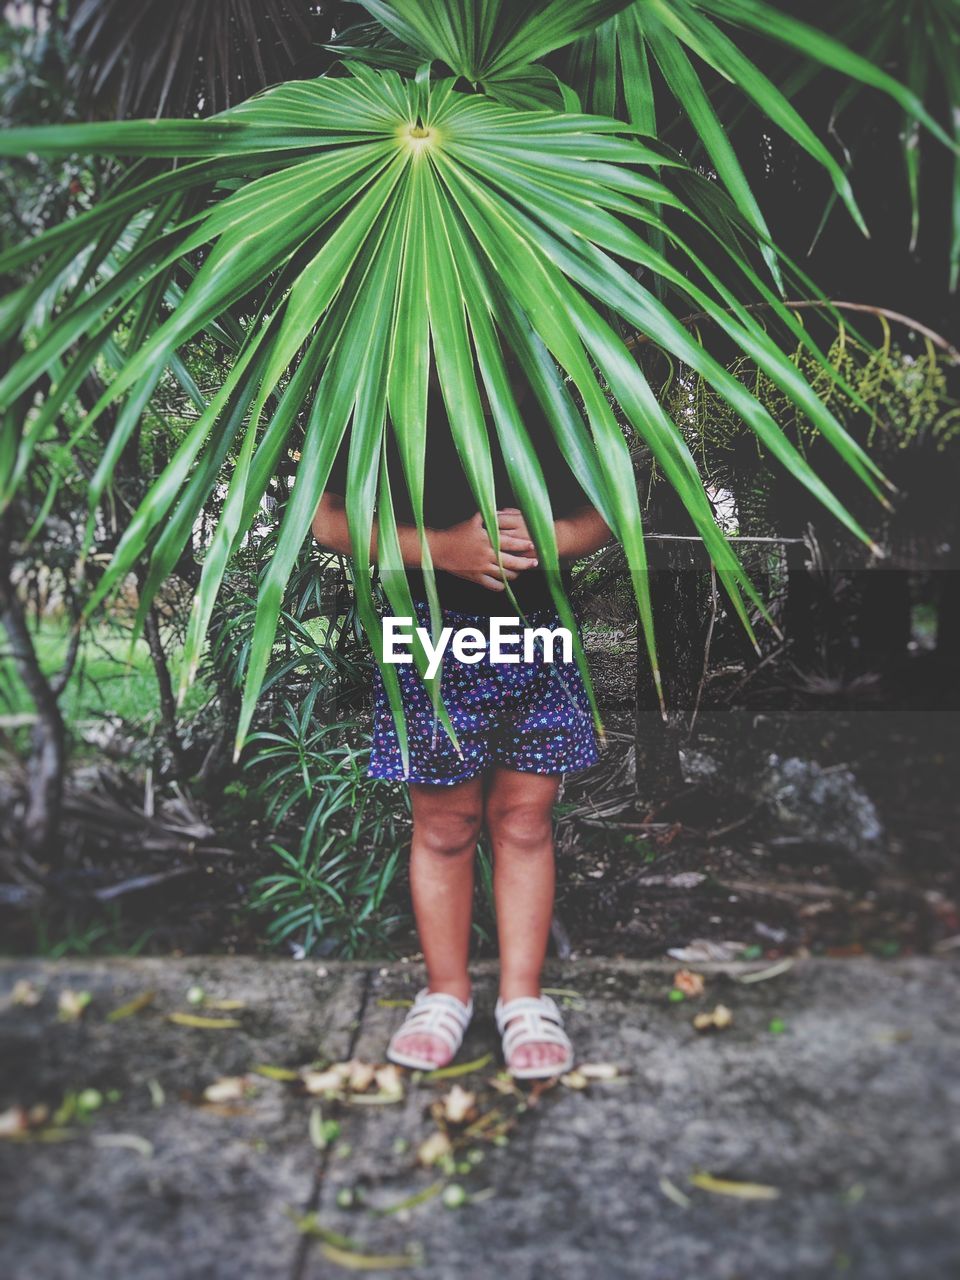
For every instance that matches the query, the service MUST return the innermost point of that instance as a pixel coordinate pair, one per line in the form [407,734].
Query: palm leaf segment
[921,39]
[176,57]
[393,223]
[611,68]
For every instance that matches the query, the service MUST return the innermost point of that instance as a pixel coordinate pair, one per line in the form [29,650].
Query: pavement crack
[323,1157]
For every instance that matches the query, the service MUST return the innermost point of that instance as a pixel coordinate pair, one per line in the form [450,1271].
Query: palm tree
[174,57]
[439,199]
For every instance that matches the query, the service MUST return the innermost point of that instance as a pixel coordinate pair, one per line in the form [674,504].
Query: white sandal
[534,1020]
[434,1013]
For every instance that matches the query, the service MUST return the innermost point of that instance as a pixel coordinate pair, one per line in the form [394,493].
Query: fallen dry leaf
[504,1083]
[373,1099]
[574,1080]
[673,1192]
[276,1073]
[322,1081]
[360,1075]
[206,1024]
[130,1141]
[739,1190]
[353,1261]
[459,1068]
[14,1122]
[225,1006]
[227,1089]
[763,975]
[458,1104]
[690,983]
[433,1148]
[539,1087]
[599,1070]
[706,951]
[25,993]
[411,1202]
[389,1079]
[136,1005]
[71,1004]
[718,1019]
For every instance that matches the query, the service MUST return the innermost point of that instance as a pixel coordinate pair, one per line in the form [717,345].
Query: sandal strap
[543,1008]
[530,1020]
[437,1013]
[533,1032]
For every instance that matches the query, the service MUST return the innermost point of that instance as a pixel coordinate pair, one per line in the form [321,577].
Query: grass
[107,681]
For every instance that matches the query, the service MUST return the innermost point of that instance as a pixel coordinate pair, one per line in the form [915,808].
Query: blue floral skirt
[533,717]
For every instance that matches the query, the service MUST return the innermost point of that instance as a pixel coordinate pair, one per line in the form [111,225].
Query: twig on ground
[142,882]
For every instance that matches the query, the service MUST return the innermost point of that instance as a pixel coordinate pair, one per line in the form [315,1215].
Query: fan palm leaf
[176,57]
[389,225]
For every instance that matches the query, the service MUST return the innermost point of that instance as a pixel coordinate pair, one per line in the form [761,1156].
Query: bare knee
[524,828]
[448,834]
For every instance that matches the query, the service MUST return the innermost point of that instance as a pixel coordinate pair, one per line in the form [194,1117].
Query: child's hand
[466,551]
[514,535]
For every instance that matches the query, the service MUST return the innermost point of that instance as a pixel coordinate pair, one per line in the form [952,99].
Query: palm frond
[612,70]
[919,41]
[175,57]
[483,40]
[389,225]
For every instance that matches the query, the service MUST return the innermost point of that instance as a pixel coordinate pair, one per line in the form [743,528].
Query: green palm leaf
[920,40]
[483,39]
[610,69]
[173,56]
[390,224]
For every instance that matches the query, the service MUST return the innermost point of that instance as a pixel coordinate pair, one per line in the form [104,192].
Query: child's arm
[582,531]
[464,549]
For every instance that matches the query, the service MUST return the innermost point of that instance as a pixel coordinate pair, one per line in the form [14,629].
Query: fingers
[511,518]
[512,525]
[508,542]
[492,584]
[518,562]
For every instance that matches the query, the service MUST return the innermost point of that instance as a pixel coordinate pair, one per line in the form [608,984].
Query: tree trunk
[168,703]
[673,592]
[801,608]
[45,767]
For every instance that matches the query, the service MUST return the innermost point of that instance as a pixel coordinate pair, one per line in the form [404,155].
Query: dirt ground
[815,1136]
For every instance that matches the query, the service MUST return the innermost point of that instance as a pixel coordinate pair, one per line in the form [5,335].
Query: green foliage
[612,66]
[81,936]
[111,681]
[332,891]
[330,898]
[903,401]
[347,233]
[920,41]
[177,57]
[338,838]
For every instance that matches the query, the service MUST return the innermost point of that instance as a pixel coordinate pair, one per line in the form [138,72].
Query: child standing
[520,726]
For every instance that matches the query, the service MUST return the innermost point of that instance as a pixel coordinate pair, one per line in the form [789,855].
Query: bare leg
[446,823]
[519,811]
